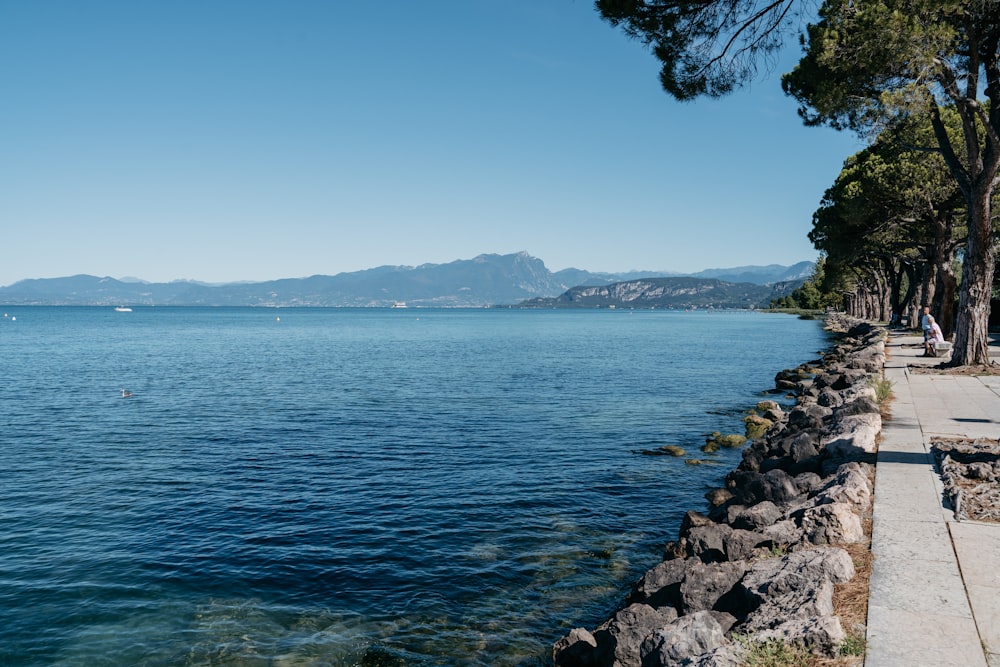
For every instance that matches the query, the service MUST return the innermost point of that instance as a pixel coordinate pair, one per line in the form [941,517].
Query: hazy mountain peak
[487,279]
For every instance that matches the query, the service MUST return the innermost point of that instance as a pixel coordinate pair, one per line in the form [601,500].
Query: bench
[941,349]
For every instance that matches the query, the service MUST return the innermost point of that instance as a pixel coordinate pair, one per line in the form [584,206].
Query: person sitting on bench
[934,335]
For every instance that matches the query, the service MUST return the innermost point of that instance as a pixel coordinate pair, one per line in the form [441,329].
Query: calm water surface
[338,487]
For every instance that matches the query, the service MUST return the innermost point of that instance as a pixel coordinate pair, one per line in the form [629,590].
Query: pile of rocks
[761,564]
[970,472]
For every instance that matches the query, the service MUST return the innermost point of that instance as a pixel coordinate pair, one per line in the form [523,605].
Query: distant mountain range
[485,280]
[677,292]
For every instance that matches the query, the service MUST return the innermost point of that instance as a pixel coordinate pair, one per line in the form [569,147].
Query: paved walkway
[935,585]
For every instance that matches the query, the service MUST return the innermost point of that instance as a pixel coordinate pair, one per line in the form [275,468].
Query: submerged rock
[666,450]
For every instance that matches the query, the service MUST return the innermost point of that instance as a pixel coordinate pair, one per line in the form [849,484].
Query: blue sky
[250,140]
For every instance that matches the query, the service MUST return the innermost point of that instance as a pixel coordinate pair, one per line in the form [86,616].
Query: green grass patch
[852,645]
[883,389]
[772,653]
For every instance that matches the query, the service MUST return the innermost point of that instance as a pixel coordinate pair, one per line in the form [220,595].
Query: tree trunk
[944,301]
[885,303]
[927,290]
[942,253]
[971,345]
[907,307]
[895,286]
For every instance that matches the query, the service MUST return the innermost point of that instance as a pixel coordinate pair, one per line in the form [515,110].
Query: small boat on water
[123,309]
[399,304]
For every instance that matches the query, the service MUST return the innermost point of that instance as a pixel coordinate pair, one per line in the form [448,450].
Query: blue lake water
[345,487]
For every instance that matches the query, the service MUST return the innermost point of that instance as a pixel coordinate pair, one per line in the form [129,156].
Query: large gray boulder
[808,482]
[833,523]
[830,398]
[798,570]
[804,617]
[808,416]
[685,639]
[851,486]
[729,655]
[705,584]
[852,436]
[849,378]
[750,488]
[743,544]
[693,519]
[577,649]
[858,405]
[785,444]
[870,359]
[785,532]
[660,586]
[708,543]
[809,602]
[821,636]
[620,638]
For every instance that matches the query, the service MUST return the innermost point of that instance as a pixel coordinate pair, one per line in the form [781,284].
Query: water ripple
[455,489]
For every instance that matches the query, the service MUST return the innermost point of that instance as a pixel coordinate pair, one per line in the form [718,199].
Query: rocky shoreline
[759,567]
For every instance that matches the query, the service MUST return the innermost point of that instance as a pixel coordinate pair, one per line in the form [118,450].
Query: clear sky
[250,140]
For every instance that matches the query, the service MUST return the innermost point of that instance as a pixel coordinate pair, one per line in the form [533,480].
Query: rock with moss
[756,426]
[764,406]
[701,462]
[731,440]
[717,440]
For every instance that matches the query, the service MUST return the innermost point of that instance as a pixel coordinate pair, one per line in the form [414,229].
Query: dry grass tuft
[850,599]
[850,603]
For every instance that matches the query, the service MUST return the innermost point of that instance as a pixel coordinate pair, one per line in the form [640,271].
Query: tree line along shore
[909,221]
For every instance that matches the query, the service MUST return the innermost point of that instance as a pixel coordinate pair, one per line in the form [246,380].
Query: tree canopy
[707,47]
[875,64]
[867,66]
[890,220]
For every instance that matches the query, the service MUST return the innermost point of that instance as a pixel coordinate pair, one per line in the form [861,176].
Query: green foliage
[892,214]
[814,294]
[883,389]
[867,65]
[853,645]
[772,653]
[875,65]
[709,47]
[778,550]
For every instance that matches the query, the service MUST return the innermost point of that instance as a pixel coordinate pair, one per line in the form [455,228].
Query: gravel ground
[970,470]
